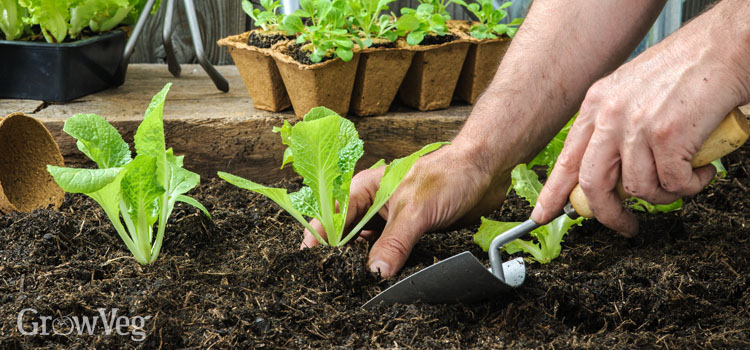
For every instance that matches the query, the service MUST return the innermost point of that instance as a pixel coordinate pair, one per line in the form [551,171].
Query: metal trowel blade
[459,279]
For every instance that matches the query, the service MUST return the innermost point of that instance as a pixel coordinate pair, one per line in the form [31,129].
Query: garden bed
[240,281]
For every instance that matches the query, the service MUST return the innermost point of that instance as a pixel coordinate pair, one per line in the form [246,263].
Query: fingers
[677,176]
[564,176]
[639,177]
[308,240]
[598,179]
[402,232]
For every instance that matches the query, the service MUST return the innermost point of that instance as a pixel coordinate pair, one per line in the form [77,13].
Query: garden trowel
[462,278]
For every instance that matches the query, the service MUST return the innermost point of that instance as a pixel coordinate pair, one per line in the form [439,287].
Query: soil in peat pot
[241,281]
[437,39]
[266,40]
[303,56]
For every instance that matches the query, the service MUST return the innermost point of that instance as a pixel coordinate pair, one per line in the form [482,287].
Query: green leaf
[195,203]
[489,230]
[642,205]
[346,55]
[292,24]
[407,22]
[304,200]
[548,156]
[526,183]
[316,113]
[98,139]
[392,178]
[414,38]
[149,138]
[79,180]
[12,19]
[140,189]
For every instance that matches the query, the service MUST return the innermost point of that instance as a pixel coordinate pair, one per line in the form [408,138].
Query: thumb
[400,235]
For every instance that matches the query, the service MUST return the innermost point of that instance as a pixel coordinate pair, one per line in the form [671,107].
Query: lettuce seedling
[141,190]
[426,19]
[549,237]
[12,16]
[327,32]
[489,17]
[267,19]
[527,185]
[324,149]
[368,23]
[59,19]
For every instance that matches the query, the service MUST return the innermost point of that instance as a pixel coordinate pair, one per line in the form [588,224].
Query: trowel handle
[731,133]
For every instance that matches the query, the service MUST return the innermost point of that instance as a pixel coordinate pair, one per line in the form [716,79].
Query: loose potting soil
[303,56]
[265,41]
[240,281]
[437,39]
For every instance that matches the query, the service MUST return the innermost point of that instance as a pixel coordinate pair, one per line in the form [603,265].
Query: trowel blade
[459,279]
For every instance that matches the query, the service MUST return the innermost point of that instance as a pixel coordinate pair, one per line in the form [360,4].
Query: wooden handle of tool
[727,137]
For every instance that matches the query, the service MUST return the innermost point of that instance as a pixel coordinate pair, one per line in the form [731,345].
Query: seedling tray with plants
[239,280]
[354,56]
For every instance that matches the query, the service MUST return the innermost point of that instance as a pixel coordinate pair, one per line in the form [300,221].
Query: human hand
[442,189]
[643,124]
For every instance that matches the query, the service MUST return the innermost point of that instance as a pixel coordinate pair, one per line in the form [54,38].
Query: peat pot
[61,72]
[27,147]
[327,83]
[379,75]
[481,63]
[259,73]
[431,79]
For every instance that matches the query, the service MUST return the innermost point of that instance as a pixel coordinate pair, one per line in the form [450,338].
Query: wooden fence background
[220,18]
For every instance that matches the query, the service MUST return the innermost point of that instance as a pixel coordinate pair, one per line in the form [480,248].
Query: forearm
[561,49]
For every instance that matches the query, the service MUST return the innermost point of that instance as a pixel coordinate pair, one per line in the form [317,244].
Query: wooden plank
[223,132]
[217,18]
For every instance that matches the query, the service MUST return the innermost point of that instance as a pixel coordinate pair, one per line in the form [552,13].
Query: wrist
[730,18]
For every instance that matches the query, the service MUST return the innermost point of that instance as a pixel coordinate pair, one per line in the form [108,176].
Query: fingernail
[538,212]
[381,267]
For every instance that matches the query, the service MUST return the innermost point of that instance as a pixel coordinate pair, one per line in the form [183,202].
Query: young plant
[425,20]
[549,237]
[489,17]
[324,149]
[326,34]
[12,19]
[368,23]
[142,190]
[268,19]
[59,19]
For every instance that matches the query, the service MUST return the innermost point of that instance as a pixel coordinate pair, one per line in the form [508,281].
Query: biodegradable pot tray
[379,75]
[431,79]
[326,84]
[27,147]
[259,73]
[61,72]
[481,63]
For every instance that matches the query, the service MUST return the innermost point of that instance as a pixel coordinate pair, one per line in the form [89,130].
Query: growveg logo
[108,322]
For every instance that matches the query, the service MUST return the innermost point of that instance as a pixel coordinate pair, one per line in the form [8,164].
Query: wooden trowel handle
[731,133]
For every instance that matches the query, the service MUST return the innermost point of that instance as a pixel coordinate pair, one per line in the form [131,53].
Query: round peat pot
[26,147]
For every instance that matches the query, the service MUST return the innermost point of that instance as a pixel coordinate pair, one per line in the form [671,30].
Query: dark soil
[437,39]
[239,281]
[303,56]
[266,40]
[383,45]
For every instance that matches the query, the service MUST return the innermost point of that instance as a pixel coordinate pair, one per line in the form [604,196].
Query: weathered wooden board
[222,131]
